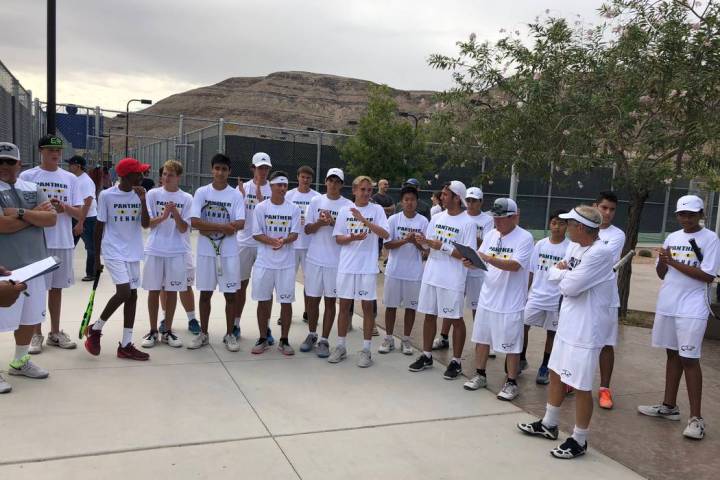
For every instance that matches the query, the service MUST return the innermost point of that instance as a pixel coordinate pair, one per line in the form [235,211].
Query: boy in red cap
[122,214]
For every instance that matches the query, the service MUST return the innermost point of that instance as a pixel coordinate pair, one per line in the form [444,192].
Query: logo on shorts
[687,348]
[231,284]
[175,283]
[565,373]
[285,296]
[334,291]
[448,310]
[134,280]
[555,323]
[363,293]
[505,346]
[413,303]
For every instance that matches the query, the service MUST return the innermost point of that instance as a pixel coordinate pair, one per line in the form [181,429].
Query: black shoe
[454,369]
[421,363]
[88,278]
[537,428]
[569,449]
[305,319]
[279,322]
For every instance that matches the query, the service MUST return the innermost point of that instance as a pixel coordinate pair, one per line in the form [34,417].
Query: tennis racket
[628,256]
[89,309]
[214,213]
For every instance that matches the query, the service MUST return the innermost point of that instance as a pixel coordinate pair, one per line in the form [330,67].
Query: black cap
[77,160]
[51,141]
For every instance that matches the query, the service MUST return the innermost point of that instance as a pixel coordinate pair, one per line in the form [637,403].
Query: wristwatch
[20,213]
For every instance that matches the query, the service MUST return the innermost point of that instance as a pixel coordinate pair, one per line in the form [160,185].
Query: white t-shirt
[360,257]
[485,224]
[323,250]
[302,200]
[680,295]
[443,270]
[405,263]
[587,289]
[614,239]
[276,221]
[435,209]
[504,291]
[165,240]
[86,188]
[60,185]
[545,295]
[229,198]
[244,236]
[121,212]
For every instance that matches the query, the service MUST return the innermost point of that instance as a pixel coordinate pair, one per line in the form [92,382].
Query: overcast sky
[111,51]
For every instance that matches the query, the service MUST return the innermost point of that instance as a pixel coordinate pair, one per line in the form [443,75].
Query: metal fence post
[317,162]
[221,135]
[549,198]
[665,212]
[513,182]
[98,136]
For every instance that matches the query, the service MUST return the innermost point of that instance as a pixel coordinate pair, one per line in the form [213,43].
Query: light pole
[144,101]
[319,147]
[294,136]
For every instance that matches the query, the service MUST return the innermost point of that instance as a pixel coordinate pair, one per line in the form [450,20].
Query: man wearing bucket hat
[687,264]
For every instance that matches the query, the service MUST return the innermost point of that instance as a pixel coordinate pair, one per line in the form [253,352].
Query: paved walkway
[216,414]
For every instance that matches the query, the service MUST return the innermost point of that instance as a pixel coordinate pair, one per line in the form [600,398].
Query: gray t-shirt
[27,245]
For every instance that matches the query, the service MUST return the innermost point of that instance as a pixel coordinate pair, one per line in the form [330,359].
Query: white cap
[337,172]
[474,192]
[458,188]
[9,150]
[687,203]
[261,158]
[575,215]
[504,207]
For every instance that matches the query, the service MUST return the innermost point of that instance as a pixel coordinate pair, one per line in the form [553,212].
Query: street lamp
[319,147]
[144,101]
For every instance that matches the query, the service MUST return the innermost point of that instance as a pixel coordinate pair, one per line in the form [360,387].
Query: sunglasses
[8,161]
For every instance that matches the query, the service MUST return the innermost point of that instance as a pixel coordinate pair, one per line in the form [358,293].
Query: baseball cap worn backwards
[458,188]
[51,142]
[129,165]
[504,207]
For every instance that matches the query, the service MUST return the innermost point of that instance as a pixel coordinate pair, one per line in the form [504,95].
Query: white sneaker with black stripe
[661,410]
[695,428]
[569,449]
[538,429]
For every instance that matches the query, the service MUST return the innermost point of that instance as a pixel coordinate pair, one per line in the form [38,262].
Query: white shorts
[320,281]
[357,286]
[206,279]
[547,319]
[189,270]
[265,280]
[164,273]
[575,365]
[473,285]
[124,272]
[611,328]
[247,258]
[26,310]
[64,276]
[300,255]
[685,335]
[440,301]
[401,293]
[502,331]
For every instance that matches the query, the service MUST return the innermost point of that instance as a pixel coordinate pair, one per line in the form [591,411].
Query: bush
[645,253]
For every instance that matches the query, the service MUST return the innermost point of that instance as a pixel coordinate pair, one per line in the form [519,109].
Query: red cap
[130,165]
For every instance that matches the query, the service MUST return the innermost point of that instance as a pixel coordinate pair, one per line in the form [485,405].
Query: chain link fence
[17,123]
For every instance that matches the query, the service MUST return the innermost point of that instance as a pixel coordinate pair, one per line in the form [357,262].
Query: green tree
[385,145]
[640,91]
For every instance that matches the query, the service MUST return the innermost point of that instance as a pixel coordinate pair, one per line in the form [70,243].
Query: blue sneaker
[193,327]
[542,376]
[162,329]
[269,337]
[236,331]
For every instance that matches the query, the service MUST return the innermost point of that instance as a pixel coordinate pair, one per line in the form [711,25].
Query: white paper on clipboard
[471,255]
[33,270]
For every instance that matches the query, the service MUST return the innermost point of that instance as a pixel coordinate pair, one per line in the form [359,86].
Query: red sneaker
[131,353]
[92,342]
[605,398]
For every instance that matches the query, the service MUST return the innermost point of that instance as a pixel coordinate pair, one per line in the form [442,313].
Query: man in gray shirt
[24,211]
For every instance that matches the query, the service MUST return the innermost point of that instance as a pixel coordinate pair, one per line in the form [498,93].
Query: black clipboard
[471,255]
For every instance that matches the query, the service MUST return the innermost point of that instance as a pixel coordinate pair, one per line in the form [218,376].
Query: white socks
[99,323]
[237,321]
[457,360]
[21,351]
[405,338]
[341,341]
[552,416]
[313,334]
[367,344]
[191,315]
[127,337]
[388,337]
[580,435]
[162,314]
[427,354]
[324,339]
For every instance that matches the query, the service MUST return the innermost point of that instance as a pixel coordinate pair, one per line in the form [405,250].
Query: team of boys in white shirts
[560,285]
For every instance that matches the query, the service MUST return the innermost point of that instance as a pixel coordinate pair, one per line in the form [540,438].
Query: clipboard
[471,255]
[34,270]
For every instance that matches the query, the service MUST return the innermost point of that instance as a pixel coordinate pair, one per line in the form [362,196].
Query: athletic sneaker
[260,346]
[454,369]
[605,399]
[523,364]
[92,342]
[441,343]
[537,428]
[131,353]
[492,353]
[285,348]
[406,348]
[388,345]
[323,349]
[695,428]
[375,331]
[25,368]
[509,392]
[279,321]
[475,383]
[194,327]
[236,331]
[231,343]
[305,317]
[422,362]
[87,278]
[543,376]
[364,358]
[661,410]
[162,328]
[36,344]
[569,449]
[150,340]
[269,337]
[309,343]
[5,387]
[338,354]
[171,339]
[61,340]
[198,341]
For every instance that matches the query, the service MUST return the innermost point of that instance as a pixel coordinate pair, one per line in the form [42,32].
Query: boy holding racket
[218,213]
